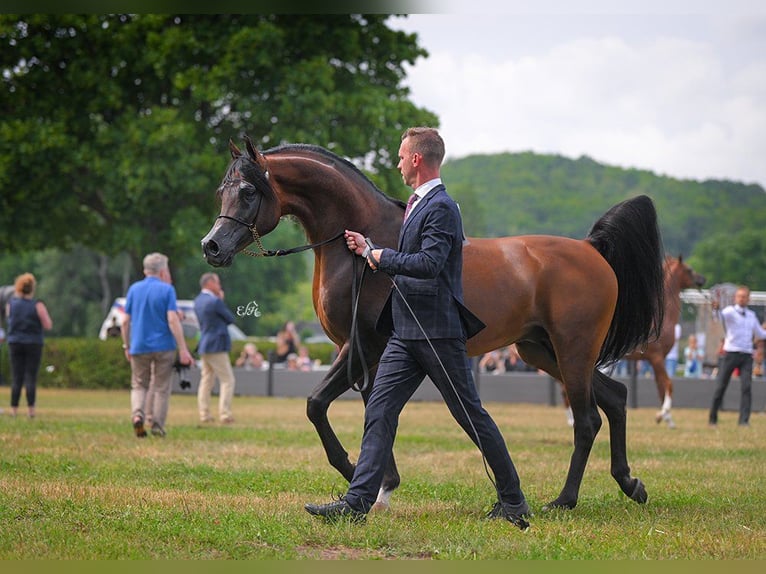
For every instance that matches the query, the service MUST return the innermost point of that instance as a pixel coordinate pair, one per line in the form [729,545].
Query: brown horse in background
[568,304]
[678,276]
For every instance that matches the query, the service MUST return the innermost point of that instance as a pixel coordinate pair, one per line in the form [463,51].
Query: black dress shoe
[336,510]
[515,514]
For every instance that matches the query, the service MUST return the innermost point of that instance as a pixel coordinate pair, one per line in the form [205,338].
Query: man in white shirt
[741,326]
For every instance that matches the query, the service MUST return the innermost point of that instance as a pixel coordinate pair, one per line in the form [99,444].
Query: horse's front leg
[330,388]
[611,396]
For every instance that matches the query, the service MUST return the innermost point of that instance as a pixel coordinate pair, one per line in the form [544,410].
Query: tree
[113,127]
[738,259]
[114,130]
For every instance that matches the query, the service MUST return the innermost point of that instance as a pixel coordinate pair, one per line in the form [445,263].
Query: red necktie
[410,201]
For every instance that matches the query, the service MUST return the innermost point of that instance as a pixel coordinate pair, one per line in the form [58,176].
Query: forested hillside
[527,193]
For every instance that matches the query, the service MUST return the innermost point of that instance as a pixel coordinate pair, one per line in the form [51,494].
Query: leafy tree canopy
[113,127]
[114,132]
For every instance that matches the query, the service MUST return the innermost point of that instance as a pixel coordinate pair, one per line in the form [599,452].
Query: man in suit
[214,347]
[428,271]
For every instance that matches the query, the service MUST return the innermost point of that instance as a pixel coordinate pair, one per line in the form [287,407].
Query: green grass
[76,484]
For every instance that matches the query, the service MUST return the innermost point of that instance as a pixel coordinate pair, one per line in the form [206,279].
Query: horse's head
[249,206]
[686,276]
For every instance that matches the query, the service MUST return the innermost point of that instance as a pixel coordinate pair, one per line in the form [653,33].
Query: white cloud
[668,98]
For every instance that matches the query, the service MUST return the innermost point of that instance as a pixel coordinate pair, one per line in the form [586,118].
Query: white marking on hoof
[383,502]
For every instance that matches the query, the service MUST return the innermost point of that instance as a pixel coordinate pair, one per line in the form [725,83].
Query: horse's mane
[336,159]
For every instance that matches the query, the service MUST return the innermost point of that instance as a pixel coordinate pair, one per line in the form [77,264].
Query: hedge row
[87,363]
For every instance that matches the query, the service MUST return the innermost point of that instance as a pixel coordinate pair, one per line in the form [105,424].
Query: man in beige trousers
[214,347]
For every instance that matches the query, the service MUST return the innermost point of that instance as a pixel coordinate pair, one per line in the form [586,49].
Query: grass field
[76,484]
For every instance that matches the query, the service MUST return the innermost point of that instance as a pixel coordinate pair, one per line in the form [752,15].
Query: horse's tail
[628,237]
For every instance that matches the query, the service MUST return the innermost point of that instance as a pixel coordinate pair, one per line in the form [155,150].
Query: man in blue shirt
[151,334]
[214,347]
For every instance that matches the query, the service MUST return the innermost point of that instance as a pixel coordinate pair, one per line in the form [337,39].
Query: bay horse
[568,304]
[678,276]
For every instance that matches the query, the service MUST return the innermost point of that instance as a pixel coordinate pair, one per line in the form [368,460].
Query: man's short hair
[208,276]
[427,142]
[154,263]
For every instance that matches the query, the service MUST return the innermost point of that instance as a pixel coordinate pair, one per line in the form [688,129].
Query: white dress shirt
[741,326]
[422,190]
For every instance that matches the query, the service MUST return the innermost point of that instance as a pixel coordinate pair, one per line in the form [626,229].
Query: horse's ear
[680,258]
[235,151]
[251,151]
[254,154]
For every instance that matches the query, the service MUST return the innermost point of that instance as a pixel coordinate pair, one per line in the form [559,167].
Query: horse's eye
[248,191]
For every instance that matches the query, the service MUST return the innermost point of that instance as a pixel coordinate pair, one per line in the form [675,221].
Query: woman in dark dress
[27,318]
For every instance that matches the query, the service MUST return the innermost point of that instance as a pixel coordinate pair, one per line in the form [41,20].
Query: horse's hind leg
[587,422]
[611,396]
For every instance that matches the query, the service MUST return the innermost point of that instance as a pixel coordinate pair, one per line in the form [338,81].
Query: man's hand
[185,358]
[355,242]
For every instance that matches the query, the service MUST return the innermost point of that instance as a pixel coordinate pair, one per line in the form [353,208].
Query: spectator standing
[741,327]
[214,348]
[27,318]
[151,334]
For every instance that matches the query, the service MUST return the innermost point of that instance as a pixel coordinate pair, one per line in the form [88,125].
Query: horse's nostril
[211,248]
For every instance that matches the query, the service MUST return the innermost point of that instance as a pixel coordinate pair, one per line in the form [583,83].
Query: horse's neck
[323,197]
[672,297]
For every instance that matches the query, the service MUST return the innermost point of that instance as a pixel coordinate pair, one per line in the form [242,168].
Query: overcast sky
[679,94]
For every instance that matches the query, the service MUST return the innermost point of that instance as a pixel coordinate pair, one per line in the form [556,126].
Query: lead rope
[354,339]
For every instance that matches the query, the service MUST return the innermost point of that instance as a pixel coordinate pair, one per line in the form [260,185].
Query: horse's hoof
[380,507]
[639,492]
[556,505]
